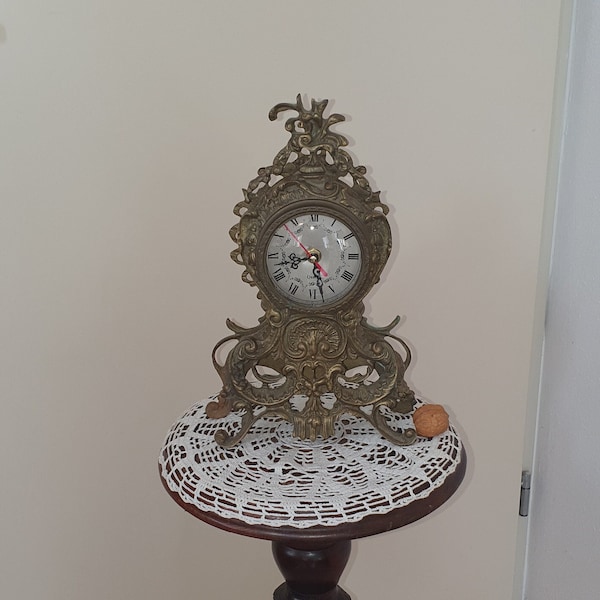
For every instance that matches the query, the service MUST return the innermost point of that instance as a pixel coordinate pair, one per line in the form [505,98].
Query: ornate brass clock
[313,238]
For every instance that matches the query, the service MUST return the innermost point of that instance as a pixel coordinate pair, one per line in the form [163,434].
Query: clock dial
[314,260]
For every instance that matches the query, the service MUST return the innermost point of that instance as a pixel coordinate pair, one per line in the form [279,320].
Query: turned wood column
[311,572]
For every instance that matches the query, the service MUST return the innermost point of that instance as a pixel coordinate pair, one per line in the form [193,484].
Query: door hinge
[525,493]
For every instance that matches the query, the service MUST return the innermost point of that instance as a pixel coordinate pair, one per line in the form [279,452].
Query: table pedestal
[312,572]
[310,499]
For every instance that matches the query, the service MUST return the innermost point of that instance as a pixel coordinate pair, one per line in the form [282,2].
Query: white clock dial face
[314,260]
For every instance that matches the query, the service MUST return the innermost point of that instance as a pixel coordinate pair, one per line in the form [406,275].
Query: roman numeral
[294,221]
[347,275]
[332,290]
[312,292]
[353,256]
[273,255]
[278,275]
[293,288]
[277,235]
[314,218]
[333,222]
[347,237]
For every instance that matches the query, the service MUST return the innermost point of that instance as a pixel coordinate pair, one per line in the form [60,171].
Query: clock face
[314,260]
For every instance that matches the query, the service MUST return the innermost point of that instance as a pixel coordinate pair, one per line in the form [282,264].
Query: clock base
[337,362]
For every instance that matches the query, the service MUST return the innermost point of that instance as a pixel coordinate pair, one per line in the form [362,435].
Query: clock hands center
[313,255]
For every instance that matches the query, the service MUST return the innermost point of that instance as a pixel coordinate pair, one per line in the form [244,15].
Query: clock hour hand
[293,262]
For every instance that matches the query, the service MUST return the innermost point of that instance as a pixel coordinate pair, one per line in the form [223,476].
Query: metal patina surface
[312,341]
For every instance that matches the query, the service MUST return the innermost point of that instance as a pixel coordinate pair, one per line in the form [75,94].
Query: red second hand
[323,272]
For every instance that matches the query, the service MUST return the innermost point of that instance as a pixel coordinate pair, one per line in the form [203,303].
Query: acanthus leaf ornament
[314,246]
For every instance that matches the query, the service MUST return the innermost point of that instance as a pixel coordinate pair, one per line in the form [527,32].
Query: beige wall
[127,132]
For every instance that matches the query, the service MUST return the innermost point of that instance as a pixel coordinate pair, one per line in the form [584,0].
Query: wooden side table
[309,498]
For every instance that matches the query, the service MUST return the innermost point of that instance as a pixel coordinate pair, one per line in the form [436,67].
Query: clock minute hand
[308,254]
[319,282]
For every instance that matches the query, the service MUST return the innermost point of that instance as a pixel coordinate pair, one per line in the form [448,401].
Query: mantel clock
[313,238]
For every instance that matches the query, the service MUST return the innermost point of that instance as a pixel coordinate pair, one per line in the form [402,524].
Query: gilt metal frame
[297,359]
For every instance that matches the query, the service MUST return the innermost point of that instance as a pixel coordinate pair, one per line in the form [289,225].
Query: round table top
[274,486]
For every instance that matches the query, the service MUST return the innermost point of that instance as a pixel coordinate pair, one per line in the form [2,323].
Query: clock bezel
[359,288]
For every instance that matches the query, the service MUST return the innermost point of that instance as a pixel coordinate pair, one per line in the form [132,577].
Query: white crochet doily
[271,478]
